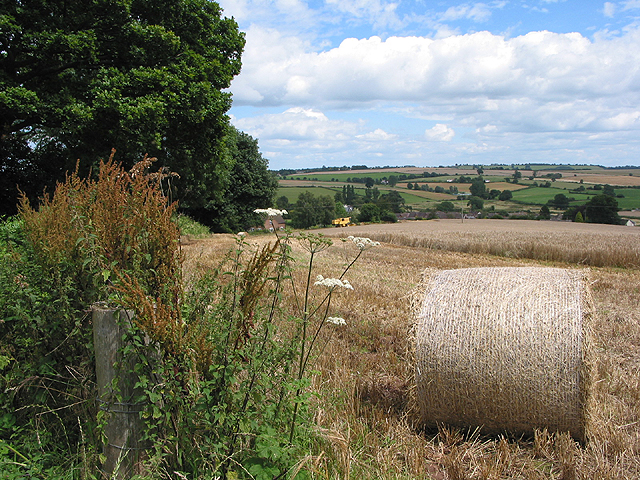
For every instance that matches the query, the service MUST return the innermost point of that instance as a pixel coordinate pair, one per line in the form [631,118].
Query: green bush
[223,365]
[46,373]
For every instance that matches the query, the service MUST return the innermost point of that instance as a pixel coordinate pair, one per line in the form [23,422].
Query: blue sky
[429,83]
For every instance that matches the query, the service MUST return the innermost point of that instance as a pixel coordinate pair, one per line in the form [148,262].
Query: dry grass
[577,243]
[362,381]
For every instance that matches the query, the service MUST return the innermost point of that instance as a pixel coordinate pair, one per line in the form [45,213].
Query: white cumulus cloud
[440,132]
[540,94]
[377,135]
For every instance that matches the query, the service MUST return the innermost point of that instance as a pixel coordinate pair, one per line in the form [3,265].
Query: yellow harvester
[341,222]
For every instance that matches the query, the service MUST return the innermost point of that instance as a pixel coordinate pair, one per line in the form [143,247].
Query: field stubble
[362,381]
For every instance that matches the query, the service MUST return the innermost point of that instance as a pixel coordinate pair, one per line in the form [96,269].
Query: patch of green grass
[188,226]
[541,195]
[631,198]
[292,193]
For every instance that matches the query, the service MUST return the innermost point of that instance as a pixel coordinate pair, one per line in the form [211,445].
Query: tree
[305,214]
[326,210]
[339,210]
[579,218]
[252,186]
[392,201]
[387,216]
[350,194]
[80,78]
[544,214]
[282,203]
[445,207]
[369,212]
[608,190]
[494,193]
[310,210]
[517,175]
[602,209]
[478,188]
[393,180]
[476,203]
[505,195]
[560,201]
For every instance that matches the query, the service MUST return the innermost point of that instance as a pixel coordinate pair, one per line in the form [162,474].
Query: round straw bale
[503,350]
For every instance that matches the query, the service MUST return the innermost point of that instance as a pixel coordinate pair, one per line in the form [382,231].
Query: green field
[416,201]
[292,193]
[631,198]
[541,195]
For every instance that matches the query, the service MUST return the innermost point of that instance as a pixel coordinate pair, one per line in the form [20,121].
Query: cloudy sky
[429,83]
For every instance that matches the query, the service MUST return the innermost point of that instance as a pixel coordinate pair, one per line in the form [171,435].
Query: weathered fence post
[123,448]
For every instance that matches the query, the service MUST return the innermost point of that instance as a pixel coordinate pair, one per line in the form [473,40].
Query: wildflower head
[363,242]
[332,283]
[270,212]
[336,320]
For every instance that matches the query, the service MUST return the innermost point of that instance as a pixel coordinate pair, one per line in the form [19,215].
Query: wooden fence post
[123,448]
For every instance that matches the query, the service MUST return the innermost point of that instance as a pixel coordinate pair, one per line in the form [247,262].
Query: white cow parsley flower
[336,320]
[332,282]
[363,242]
[270,212]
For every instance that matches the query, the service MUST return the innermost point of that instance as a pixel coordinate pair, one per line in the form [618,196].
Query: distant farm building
[274,223]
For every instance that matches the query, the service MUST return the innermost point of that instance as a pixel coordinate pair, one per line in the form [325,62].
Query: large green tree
[79,78]
[392,201]
[310,210]
[602,209]
[559,201]
[251,186]
[478,188]
[305,214]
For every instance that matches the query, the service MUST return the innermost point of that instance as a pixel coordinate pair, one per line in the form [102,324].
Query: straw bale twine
[503,349]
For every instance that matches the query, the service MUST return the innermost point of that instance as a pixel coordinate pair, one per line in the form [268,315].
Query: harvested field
[363,374]
[579,243]
[603,179]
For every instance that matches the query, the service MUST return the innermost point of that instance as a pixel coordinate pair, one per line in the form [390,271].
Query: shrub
[222,364]
[387,216]
[87,241]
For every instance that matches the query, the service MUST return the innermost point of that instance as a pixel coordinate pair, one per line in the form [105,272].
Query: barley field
[578,243]
[361,387]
